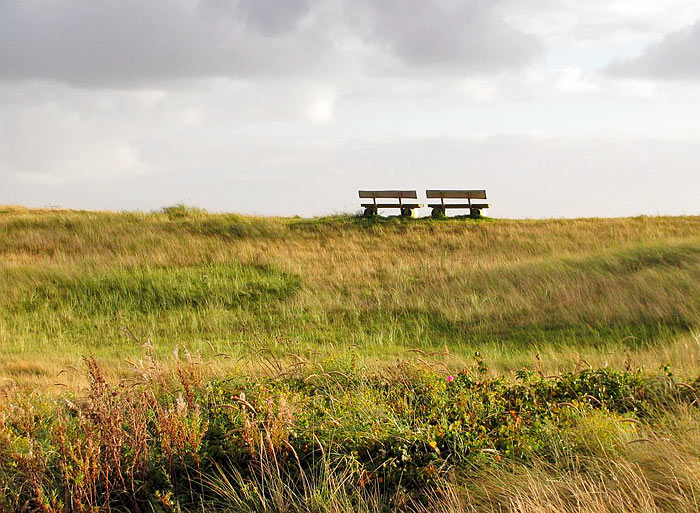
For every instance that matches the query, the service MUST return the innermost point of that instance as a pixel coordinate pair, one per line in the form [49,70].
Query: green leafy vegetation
[184,443]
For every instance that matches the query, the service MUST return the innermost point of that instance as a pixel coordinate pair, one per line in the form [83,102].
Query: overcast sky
[557,107]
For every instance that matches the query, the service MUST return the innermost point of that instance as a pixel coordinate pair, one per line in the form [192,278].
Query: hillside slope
[183,361]
[73,283]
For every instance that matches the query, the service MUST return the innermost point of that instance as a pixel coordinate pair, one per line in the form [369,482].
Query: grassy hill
[187,361]
[74,282]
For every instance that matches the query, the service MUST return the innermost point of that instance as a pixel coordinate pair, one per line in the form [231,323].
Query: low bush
[176,440]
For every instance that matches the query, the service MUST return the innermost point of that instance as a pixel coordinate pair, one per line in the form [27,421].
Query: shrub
[180,211]
[177,440]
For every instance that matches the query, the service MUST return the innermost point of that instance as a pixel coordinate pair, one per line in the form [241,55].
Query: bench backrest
[456,194]
[389,194]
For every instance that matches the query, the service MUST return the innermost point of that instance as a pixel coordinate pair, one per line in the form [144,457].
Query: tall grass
[70,282]
[332,435]
[347,364]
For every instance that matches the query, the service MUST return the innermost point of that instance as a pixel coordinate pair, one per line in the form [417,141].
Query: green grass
[333,435]
[147,290]
[288,365]
[71,282]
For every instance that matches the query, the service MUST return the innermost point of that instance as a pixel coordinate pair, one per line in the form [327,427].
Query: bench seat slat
[460,205]
[392,205]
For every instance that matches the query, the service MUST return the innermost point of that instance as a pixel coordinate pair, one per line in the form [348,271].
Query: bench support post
[372,211]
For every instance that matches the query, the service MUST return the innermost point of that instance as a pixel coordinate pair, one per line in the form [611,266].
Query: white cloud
[676,56]
[571,175]
[321,109]
[590,23]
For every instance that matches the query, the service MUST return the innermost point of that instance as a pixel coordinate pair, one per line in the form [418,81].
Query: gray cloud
[129,43]
[271,17]
[676,56]
[119,43]
[463,35]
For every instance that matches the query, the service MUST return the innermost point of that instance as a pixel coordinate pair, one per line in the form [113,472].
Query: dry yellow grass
[588,290]
[553,295]
[614,467]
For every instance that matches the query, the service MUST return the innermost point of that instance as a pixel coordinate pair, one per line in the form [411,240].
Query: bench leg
[406,212]
[370,212]
[437,213]
[475,213]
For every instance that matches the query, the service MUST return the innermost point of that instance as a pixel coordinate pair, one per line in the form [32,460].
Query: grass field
[342,332]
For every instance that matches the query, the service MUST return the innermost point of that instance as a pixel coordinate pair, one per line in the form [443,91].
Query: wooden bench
[406,209]
[469,195]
